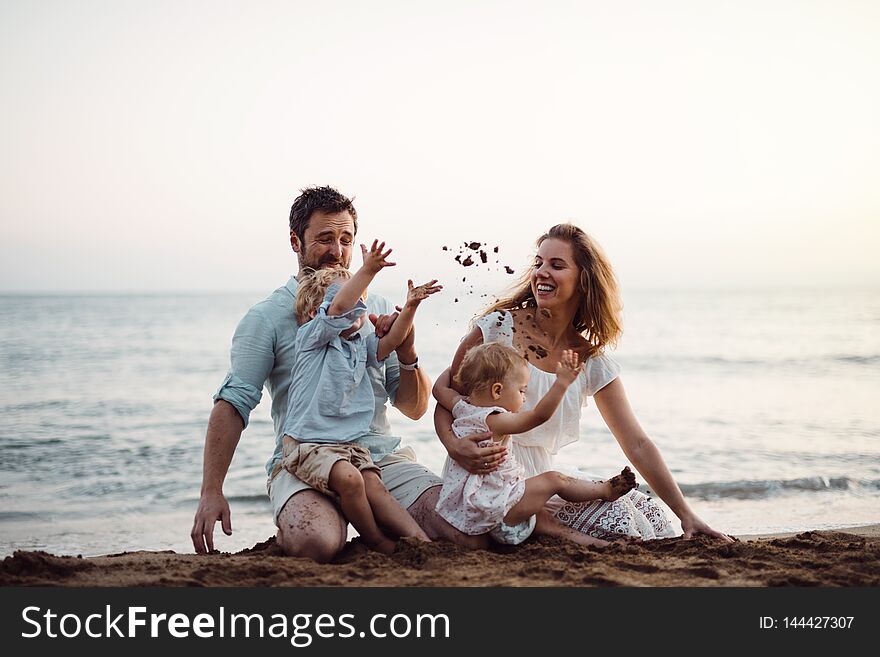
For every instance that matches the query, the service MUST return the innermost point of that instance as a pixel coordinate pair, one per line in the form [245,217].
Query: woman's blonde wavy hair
[312,287]
[598,318]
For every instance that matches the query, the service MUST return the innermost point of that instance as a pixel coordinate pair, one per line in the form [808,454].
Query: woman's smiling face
[555,276]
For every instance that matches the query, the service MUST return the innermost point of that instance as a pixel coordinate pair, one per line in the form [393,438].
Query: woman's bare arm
[641,451]
[464,451]
[444,393]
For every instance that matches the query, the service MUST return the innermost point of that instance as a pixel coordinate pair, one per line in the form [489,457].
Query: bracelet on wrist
[409,366]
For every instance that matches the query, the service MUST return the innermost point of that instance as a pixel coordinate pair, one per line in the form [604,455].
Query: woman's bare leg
[548,525]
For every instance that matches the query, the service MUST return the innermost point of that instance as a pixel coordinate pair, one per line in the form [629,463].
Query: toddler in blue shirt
[331,400]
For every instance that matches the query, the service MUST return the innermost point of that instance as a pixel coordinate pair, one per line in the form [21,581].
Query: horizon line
[634,288]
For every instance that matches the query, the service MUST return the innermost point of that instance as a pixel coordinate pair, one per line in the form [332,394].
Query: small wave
[870,359]
[750,490]
[659,362]
[26,407]
[249,499]
[655,362]
[17,443]
[18,515]
[252,501]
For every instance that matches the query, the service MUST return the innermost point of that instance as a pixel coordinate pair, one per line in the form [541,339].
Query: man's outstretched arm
[252,357]
[224,431]
[414,386]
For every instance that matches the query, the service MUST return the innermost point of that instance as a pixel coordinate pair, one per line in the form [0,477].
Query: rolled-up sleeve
[392,376]
[372,343]
[251,360]
[381,306]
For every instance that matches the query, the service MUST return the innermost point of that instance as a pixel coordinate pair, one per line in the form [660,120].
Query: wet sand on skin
[815,558]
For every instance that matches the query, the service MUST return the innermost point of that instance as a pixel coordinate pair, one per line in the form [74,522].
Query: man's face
[327,241]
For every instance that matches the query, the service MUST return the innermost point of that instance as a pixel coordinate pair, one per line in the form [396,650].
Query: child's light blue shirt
[263,353]
[331,397]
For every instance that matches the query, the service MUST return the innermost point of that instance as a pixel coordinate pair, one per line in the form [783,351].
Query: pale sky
[158,145]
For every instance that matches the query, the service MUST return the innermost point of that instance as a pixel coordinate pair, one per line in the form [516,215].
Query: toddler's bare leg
[579,490]
[619,484]
[346,481]
[388,511]
[542,487]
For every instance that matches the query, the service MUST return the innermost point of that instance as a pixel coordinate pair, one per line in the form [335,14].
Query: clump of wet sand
[479,255]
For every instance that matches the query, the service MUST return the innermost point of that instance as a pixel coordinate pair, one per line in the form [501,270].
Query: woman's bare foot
[619,484]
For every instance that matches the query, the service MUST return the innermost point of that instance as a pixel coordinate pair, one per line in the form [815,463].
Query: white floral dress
[634,514]
[475,503]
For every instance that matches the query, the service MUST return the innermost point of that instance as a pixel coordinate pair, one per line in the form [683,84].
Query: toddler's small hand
[374,259]
[568,368]
[415,295]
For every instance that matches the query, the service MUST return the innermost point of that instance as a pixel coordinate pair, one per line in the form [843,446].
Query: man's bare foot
[620,484]
[385,546]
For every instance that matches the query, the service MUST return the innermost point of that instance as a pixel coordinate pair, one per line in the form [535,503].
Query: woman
[569,300]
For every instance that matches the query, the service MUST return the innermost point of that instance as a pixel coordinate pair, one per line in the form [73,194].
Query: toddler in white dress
[504,502]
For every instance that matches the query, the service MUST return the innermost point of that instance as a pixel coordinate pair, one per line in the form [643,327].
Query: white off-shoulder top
[535,449]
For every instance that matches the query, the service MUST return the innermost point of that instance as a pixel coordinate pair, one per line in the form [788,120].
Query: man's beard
[325,262]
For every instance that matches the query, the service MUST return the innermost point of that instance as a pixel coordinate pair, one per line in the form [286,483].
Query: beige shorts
[405,479]
[312,462]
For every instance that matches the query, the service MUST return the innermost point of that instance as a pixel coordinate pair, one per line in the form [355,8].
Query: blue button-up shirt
[263,354]
[331,399]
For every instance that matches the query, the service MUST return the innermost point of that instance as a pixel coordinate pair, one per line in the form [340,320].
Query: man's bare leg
[423,512]
[310,525]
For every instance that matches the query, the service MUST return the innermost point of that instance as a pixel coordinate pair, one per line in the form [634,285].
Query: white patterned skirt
[632,515]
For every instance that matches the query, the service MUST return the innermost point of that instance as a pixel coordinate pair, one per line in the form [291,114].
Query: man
[323,226]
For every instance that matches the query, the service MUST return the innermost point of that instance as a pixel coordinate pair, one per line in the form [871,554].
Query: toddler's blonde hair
[486,364]
[312,289]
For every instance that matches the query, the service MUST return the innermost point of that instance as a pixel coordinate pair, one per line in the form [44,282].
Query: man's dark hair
[318,199]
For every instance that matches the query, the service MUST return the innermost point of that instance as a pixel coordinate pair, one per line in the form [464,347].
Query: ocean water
[764,404]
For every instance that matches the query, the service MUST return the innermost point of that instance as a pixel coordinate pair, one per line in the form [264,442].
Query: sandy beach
[813,558]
